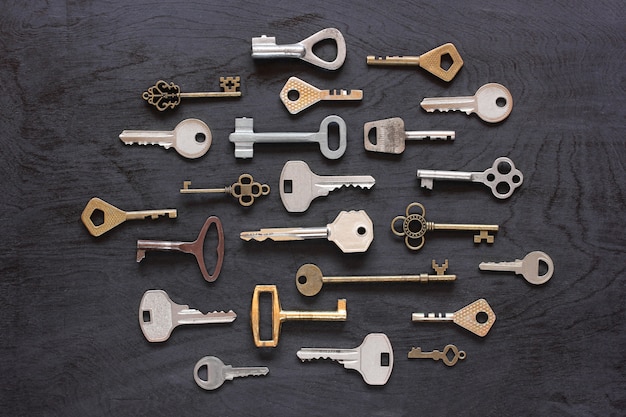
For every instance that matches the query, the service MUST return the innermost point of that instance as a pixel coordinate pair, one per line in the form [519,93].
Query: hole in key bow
[326,49]
[542,268]
[146,316]
[503,188]
[501,102]
[361,230]
[446,61]
[293,95]
[333,136]
[482,317]
[97,217]
[371,136]
[384,359]
[203,372]
[200,137]
[302,279]
[504,167]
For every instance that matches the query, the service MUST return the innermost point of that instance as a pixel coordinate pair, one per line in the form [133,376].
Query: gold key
[112,216]
[477,317]
[430,61]
[245,189]
[416,353]
[279,315]
[164,95]
[414,226]
[298,95]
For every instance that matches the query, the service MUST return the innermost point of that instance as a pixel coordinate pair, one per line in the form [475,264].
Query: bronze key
[164,95]
[245,189]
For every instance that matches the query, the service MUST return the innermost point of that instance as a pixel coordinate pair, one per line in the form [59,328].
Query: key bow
[246,189]
[409,231]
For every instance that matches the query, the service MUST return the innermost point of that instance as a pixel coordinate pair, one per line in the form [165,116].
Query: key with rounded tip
[245,189]
[112,216]
[298,95]
[373,359]
[416,353]
[529,267]
[244,137]
[217,372]
[492,103]
[309,278]
[191,138]
[389,135]
[196,248]
[352,231]
[266,47]
[164,95]
[503,178]
[477,317]
[159,315]
[299,186]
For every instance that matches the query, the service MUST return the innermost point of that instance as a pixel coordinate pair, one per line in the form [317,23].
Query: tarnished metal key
[477,317]
[217,372]
[298,95]
[164,95]
[529,267]
[388,135]
[191,138]
[245,189]
[373,359]
[299,185]
[416,353]
[492,103]
[352,231]
[159,315]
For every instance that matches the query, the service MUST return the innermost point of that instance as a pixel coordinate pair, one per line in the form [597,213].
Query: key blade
[341,94]
[468,317]
[193,316]
[342,356]
[148,137]
[444,104]
[352,231]
[230,372]
[515,266]
[285,234]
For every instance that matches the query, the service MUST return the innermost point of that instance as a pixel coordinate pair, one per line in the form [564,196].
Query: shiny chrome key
[529,267]
[298,95]
[217,372]
[388,135]
[477,317]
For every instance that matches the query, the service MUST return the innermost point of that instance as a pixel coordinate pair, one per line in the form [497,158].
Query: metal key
[309,278]
[299,185]
[414,226]
[527,267]
[503,178]
[196,248]
[389,135]
[159,315]
[352,231]
[244,137]
[477,317]
[373,359]
[430,61]
[416,353]
[191,138]
[279,315]
[217,372]
[492,103]
[112,216]
[265,47]
[245,189]
[298,95]
[164,95]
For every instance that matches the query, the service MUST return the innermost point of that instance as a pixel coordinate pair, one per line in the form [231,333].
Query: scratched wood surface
[72,75]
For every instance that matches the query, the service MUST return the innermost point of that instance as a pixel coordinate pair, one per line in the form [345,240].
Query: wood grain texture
[73,73]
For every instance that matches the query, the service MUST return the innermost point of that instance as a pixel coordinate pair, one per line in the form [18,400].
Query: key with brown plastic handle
[477,317]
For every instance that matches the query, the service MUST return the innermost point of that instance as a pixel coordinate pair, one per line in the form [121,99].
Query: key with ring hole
[503,178]
[265,47]
[217,372]
[477,317]
[245,189]
[416,353]
[414,226]
[389,135]
[164,95]
[298,95]
[529,267]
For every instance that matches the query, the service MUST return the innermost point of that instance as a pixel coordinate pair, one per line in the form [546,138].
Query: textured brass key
[164,95]
[477,317]
[298,95]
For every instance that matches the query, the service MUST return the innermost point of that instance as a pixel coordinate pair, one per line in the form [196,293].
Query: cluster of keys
[351,231]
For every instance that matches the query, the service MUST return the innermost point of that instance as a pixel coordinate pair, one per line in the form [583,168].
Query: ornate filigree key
[245,189]
[164,95]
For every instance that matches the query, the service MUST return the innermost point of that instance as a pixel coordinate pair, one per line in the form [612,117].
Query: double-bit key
[217,372]
[444,356]
[298,95]
[389,136]
[245,189]
[477,317]
[529,267]
[164,95]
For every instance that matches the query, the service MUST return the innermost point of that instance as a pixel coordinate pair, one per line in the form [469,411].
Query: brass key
[164,95]
[412,233]
[298,95]
[477,317]
[416,353]
[245,189]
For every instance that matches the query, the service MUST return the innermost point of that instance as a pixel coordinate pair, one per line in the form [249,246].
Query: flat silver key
[352,231]
[299,185]
[217,372]
[492,103]
[298,95]
[529,267]
[477,317]
[159,315]
[503,178]
[373,359]
[389,136]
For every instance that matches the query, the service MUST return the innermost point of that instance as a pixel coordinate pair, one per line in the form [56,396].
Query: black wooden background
[72,74]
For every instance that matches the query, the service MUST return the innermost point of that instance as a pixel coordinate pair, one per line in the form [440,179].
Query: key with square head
[299,185]
[159,315]
[244,137]
[389,135]
[164,95]
[191,138]
[217,372]
[503,178]
[373,359]
[477,317]
[196,248]
[298,95]
[414,226]
[112,216]
[245,189]
[352,231]
[416,353]
[492,103]
[529,267]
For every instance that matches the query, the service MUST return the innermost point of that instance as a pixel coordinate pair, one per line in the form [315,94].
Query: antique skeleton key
[527,267]
[245,189]
[416,353]
[477,317]
[389,135]
[298,95]
[164,95]
[217,372]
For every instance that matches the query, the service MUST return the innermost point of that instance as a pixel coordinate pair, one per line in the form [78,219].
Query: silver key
[503,178]
[389,135]
[492,103]
[159,315]
[373,359]
[244,137]
[527,267]
[352,231]
[217,372]
[265,47]
[299,186]
[298,95]
[191,138]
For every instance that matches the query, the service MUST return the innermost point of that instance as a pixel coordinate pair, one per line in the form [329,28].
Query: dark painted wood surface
[72,74]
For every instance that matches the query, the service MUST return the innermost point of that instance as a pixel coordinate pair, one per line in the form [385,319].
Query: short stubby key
[299,185]
[492,103]
[352,231]
[298,95]
[389,136]
[503,178]
[164,95]
[245,189]
[373,359]
[244,137]
[217,372]
[477,317]
[416,353]
[191,138]
[159,315]
[529,267]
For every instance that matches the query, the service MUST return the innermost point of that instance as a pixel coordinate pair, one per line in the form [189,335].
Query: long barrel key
[217,372]
[164,95]
[416,353]
[298,95]
[390,136]
[245,189]
[527,267]
[477,317]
